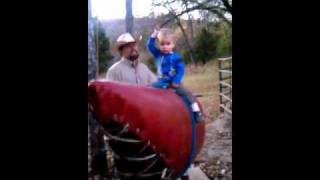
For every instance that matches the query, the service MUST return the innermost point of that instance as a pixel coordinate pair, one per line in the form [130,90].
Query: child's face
[166,45]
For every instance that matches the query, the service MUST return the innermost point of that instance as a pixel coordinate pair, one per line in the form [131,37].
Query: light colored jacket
[130,72]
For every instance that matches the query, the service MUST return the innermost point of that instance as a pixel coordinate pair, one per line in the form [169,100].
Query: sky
[115,9]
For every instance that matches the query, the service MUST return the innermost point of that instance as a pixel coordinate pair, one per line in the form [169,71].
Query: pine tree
[205,46]
[103,47]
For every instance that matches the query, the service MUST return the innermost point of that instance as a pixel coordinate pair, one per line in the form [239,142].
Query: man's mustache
[134,51]
[134,55]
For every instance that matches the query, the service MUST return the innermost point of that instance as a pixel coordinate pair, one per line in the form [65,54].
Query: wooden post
[97,48]
[220,85]
[129,17]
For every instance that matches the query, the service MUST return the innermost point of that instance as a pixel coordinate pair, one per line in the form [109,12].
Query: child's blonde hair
[166,33]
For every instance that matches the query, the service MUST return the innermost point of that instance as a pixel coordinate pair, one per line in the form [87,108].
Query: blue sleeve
[179,68]
[151,45]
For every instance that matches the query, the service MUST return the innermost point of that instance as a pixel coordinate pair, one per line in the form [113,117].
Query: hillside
[116,27]
[142,26]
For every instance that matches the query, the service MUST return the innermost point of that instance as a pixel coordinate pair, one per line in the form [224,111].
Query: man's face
[130,51]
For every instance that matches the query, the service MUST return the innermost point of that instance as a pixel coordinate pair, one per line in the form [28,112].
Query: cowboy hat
[123,39]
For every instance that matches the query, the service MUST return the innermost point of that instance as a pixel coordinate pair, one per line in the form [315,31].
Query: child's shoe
[197,112]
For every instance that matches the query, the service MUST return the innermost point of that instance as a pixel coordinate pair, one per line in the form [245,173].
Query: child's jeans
[164,84]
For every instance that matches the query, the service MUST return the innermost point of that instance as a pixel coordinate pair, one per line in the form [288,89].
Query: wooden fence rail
[225,84]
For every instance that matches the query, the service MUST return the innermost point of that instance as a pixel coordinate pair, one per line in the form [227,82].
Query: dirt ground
[216,155]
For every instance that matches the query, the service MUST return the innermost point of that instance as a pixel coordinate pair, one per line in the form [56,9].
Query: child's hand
[155,32]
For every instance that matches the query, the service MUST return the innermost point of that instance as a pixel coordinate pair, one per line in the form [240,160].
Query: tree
[91,46]
[210,9]
[103,47]
[224,45]
[129,17]
[205,46]
[190,19]
[220,8]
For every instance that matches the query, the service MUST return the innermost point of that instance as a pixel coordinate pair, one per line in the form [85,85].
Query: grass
[204,80]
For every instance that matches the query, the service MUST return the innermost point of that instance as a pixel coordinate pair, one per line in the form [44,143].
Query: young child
[170,65]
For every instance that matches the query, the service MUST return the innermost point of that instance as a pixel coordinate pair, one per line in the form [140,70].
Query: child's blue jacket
[170,66]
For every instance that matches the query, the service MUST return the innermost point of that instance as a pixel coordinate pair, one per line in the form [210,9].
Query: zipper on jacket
[160,67]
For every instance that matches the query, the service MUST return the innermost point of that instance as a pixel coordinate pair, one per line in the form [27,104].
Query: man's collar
[130,63]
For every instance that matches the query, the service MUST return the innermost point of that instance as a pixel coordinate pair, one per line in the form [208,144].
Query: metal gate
[225,84]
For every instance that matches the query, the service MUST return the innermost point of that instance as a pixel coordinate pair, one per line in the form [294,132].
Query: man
[129,69]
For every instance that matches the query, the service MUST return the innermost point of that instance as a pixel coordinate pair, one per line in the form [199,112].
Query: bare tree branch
[214,10]
[190,52]
[227,5]
[190,20]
